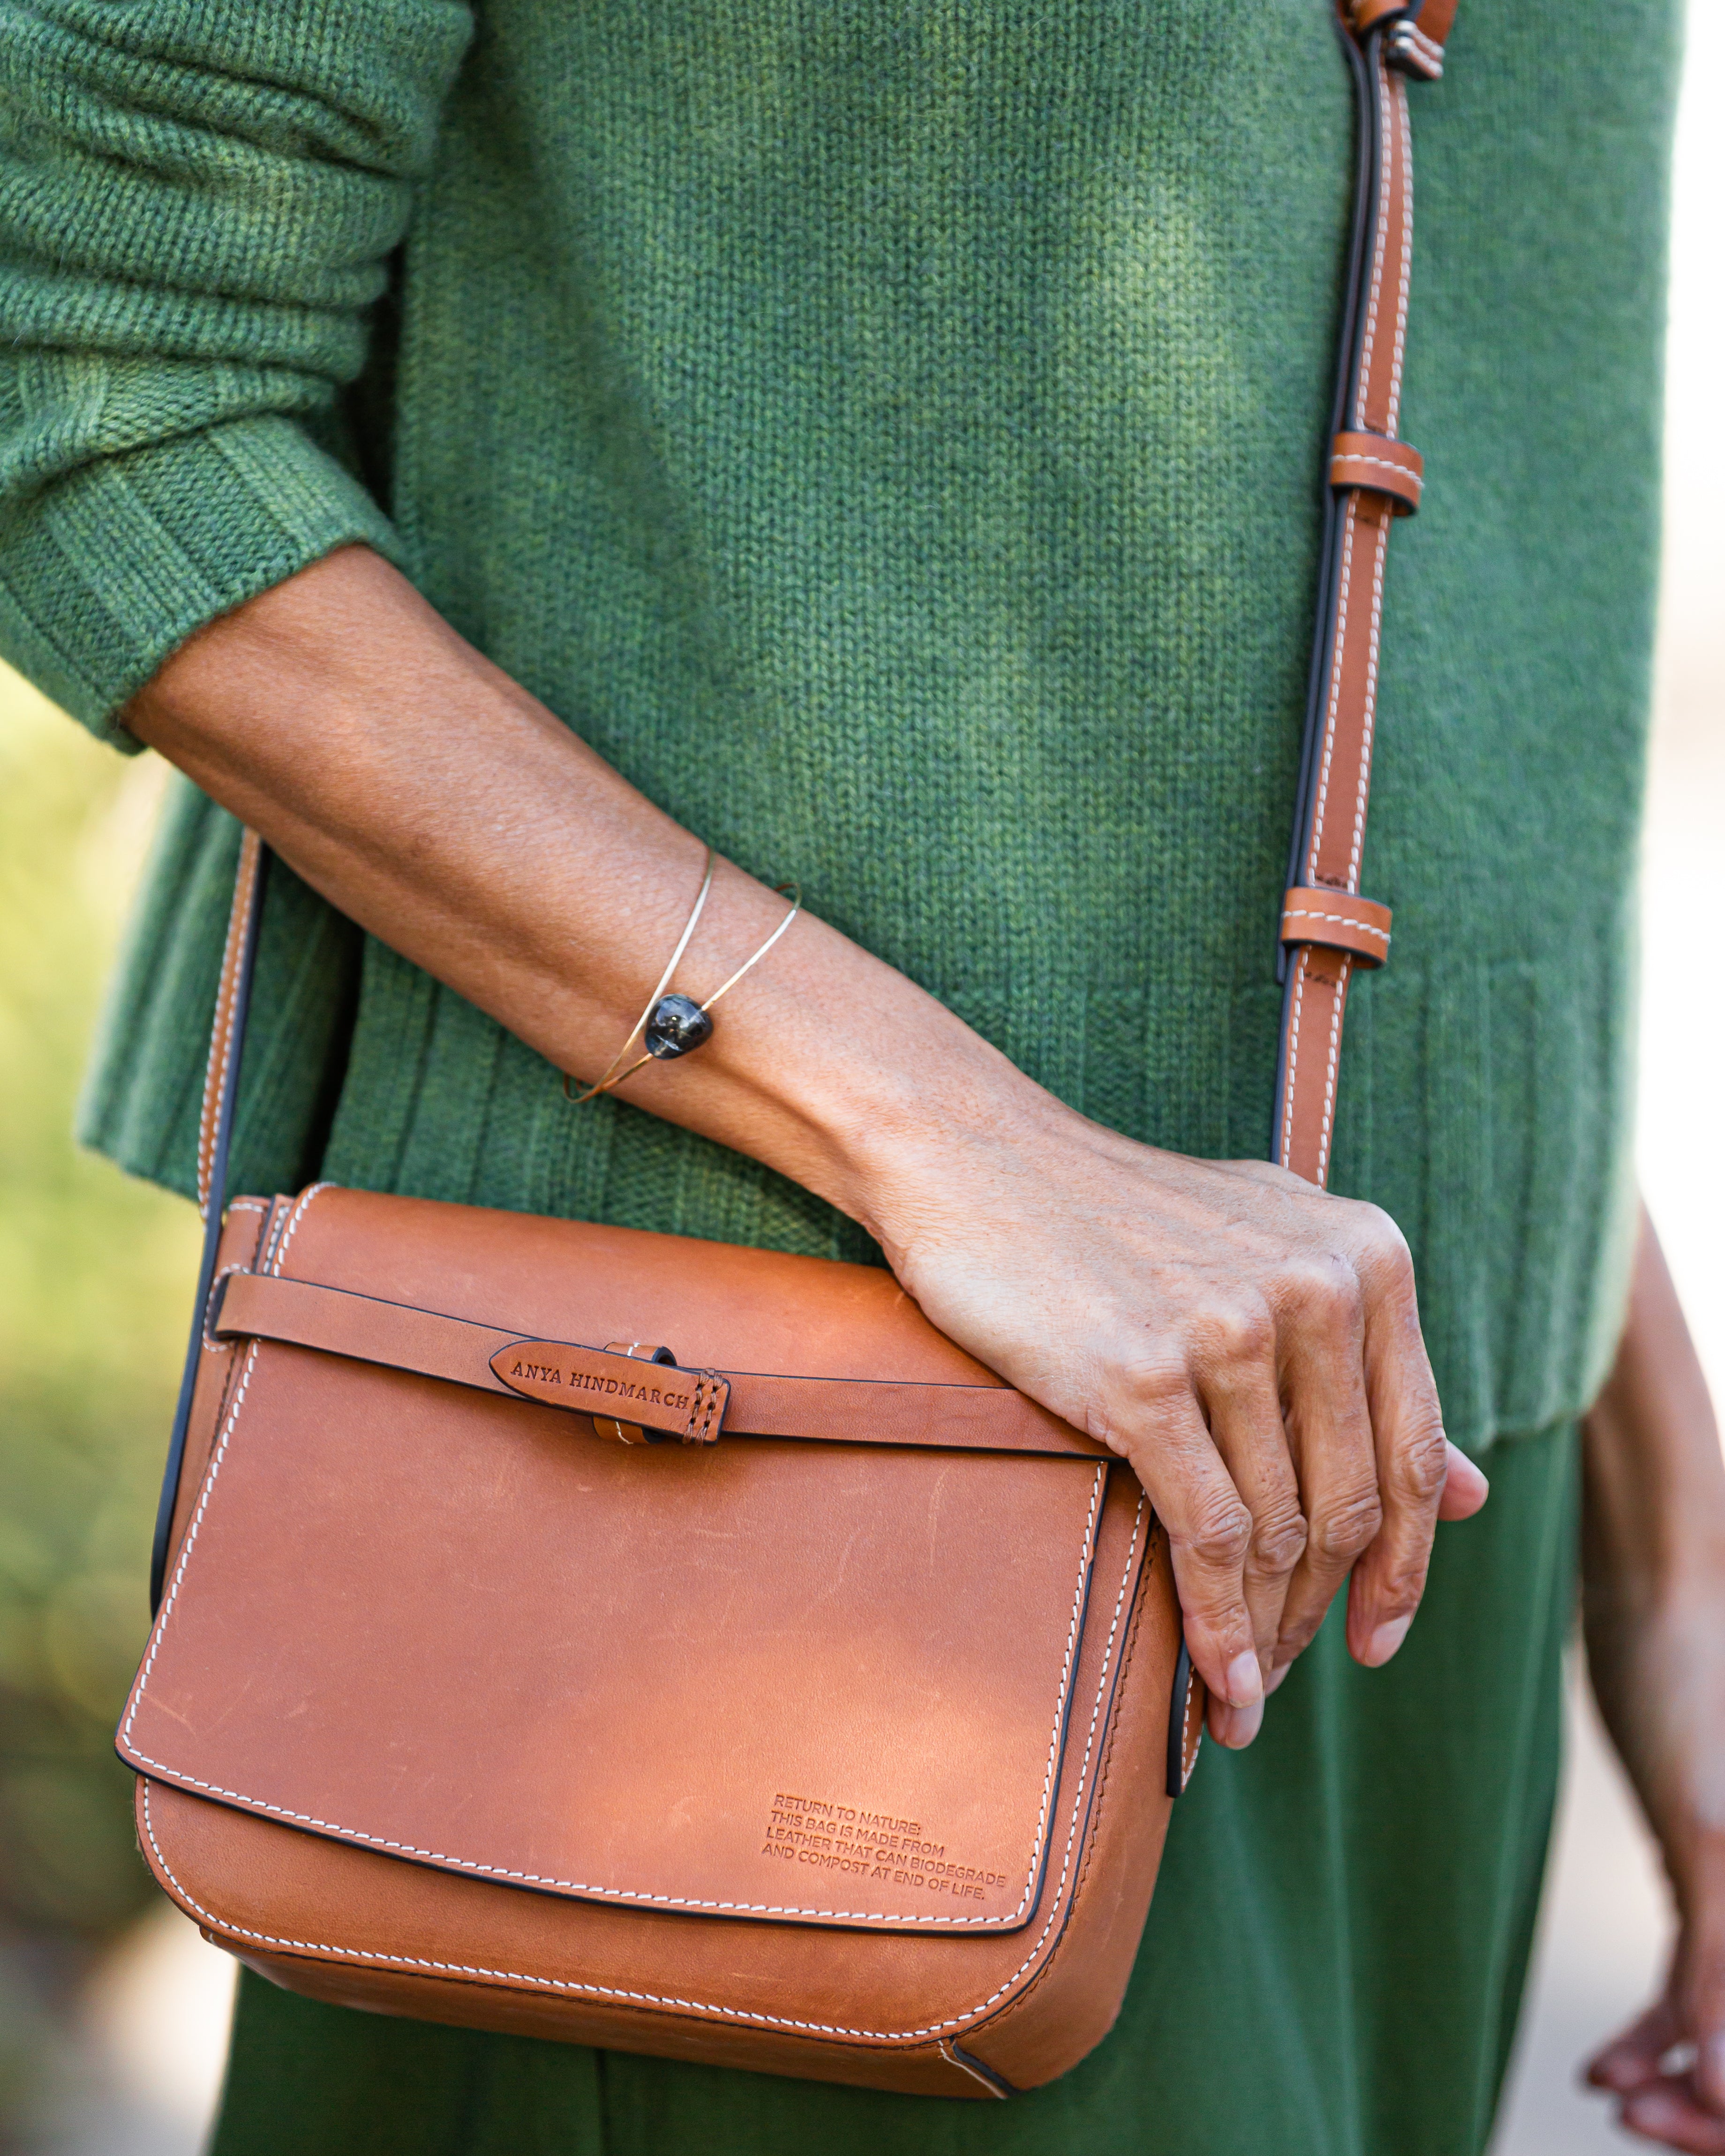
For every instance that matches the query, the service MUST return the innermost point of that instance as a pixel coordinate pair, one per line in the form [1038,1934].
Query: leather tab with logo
[689,1404]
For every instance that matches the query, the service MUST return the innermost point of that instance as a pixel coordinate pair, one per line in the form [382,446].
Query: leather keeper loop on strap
[639,1351]
[1336,920]
[1379,465]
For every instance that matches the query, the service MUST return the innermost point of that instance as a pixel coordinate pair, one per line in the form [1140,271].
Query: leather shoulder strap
[215,1134]
[1372,477]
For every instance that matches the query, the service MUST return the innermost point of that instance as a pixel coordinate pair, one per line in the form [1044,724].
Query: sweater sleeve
[198,199]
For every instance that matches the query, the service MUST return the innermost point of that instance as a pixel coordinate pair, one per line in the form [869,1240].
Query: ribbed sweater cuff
[117,564]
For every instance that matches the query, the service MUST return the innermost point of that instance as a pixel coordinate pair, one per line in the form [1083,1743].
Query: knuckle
[1397,1591]
[1152,1381]
[1385,1245]
[1133,1400]
[1221,1533]
[1419,1466]
[1327,1290]
[1279,1538]
[1347,1524]
[1241,1330]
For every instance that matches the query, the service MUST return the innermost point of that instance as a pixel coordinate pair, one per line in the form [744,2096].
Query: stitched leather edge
[734,2014]
[215,1069]
[1128,1650]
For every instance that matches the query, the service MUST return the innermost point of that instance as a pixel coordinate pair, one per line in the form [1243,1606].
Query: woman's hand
[1249,1344]
[1653,1605]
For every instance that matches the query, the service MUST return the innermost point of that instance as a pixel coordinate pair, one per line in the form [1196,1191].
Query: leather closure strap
[691,1405]
[1337,921]
[1380,466]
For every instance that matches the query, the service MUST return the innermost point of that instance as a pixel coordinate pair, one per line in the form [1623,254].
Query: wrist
[916,1148]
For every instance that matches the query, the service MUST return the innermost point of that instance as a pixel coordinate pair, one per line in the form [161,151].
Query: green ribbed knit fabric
[891,431]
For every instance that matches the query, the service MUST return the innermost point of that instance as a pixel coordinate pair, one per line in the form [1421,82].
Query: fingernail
[1385,1641]
[1619,2072]
[1277,1677]
[1245,1681]
[1240,1725]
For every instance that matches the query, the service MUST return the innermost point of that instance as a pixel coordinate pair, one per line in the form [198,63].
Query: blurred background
[113,2012]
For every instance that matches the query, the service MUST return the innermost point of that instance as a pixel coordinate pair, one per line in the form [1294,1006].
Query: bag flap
[819,1683]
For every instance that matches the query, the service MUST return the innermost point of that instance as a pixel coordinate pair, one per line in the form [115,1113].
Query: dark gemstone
[677,1026]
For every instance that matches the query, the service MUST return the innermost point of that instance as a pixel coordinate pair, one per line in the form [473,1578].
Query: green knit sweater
[891,431]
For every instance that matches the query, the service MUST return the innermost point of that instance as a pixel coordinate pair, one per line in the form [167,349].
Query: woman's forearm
[1653,1551]
[1654,1476]
[430,798]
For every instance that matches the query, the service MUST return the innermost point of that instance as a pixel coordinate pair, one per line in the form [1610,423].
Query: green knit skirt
[1333,1964]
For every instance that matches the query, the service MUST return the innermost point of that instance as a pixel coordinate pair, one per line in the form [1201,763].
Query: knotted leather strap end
[1336,920]
[1379,465]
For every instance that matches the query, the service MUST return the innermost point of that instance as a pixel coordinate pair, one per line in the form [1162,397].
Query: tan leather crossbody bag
[686,1648]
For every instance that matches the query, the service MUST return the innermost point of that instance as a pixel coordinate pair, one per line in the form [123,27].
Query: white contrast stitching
[269,1232]
[1338,999]
[1381,463]
[210,1346]
[1287,1113]
[699,2006]
[247,1205]
[1338,920]
[1369,713]
[1192,1732]
[300,1212]
[1367,341]
[187,1546]
[1429,49]
[1338,655]
[1397,90]
[238,920]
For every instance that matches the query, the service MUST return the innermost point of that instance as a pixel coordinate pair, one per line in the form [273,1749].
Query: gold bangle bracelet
[610,1078]
[613,1077]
